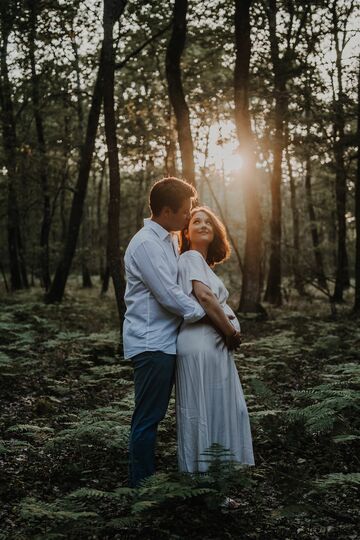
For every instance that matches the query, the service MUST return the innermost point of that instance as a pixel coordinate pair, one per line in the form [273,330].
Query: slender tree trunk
[319,265]
[357,209]
[295,259]
[18,277]
[35,90]
[115,260]
[176,93]
[57,288]
[105,281]
[84,235]
[342,270]
[273,289]
[170,157]
[250,292]
[2,270]
[100,232]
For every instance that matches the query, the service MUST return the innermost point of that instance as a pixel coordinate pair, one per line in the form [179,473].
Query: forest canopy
[253,102]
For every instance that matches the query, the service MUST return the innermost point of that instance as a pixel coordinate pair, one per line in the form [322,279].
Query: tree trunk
[342,268]
[357,209]
[170,157]
[115,261]
[85,236]
[35,91]
[86,276]
[250,292]
[57,288]
[18,277]
[176,93]
[319,264]
[105,281]
[295,259]
[273,289]
[99,225]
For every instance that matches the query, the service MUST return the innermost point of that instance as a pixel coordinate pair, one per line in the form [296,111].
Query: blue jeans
[153,378]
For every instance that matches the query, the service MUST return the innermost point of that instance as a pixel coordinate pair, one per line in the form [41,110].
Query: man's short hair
[171,192]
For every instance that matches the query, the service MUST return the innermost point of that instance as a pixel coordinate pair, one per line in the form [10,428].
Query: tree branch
[136,51]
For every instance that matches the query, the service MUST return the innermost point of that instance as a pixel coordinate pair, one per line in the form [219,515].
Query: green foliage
[331,404]
[338,480]
[65,419]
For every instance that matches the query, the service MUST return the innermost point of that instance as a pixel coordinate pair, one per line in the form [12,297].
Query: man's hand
[233,342]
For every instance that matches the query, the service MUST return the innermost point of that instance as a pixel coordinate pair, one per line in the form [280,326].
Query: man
[155,306]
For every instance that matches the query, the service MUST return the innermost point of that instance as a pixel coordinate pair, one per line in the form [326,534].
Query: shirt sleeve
[153,269]
[192,267]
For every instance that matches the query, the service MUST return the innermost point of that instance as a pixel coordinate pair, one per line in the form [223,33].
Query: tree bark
[342,270]
[115,261]
[35,91]
[250,292]
[295,259]
[356,309]
[57,288]
[176,93]
[319,264]
[170,157]
[18,276]
[273,289]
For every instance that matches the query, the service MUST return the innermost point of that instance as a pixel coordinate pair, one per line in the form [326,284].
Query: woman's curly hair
[219,249]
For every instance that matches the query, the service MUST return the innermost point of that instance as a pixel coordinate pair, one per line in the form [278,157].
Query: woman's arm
[213,309]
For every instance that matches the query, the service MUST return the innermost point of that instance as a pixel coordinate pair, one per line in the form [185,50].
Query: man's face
[179,220]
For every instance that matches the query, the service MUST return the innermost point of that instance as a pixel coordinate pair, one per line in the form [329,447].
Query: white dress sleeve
[193,267]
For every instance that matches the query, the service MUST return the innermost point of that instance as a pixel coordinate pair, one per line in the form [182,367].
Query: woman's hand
[233,342]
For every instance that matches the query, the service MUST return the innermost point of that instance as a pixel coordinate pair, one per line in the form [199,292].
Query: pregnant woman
[210,404]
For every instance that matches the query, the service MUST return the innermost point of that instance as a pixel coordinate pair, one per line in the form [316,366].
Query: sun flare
[223,149]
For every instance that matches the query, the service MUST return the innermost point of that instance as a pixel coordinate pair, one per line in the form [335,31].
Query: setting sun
[223,150]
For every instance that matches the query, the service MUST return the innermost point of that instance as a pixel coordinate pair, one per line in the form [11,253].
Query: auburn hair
[219,249]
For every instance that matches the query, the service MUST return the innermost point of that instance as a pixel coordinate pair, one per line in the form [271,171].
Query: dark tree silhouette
[112,13]
[18,275]
[176,92]
[57,288]
[357,208]
[33,6]
[250,292]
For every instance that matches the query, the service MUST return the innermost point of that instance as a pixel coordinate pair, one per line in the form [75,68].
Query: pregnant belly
[198,337]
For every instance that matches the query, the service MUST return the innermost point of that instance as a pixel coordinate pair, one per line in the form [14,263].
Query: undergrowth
[67,398]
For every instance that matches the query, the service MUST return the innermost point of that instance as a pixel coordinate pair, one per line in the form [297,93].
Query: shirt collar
[158,229]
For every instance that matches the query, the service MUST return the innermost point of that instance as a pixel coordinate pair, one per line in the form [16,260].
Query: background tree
[112,13]
[250,292]
[176,92]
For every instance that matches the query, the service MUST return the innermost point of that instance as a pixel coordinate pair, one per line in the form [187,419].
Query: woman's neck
[201,249]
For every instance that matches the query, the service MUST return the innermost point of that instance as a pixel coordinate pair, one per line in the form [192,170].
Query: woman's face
[201,229]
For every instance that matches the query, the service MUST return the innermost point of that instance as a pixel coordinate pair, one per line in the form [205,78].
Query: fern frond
[338,480]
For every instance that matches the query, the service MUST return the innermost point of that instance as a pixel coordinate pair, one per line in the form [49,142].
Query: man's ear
[166,211]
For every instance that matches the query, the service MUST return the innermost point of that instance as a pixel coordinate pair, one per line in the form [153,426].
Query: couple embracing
[178,327]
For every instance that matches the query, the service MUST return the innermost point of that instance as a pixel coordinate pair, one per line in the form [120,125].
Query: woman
[210,405]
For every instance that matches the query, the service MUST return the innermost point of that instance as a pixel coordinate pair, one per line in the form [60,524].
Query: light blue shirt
[155,303]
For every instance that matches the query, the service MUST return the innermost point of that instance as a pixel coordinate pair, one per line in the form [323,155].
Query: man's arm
[216,314]
[153,268]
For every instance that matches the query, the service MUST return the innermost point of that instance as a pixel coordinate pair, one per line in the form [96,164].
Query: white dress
[210,404]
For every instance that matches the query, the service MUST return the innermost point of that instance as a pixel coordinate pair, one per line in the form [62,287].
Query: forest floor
[66,404]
